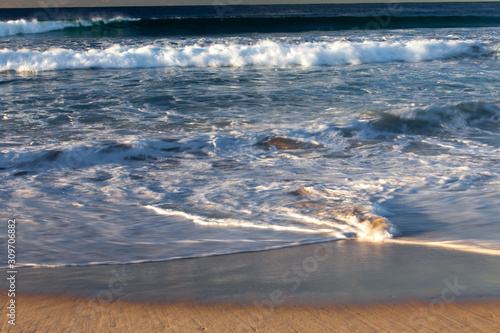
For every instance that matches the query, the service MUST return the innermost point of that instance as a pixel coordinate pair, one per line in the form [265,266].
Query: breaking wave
[434,120]
[265,53]
[340,221]
[16,27]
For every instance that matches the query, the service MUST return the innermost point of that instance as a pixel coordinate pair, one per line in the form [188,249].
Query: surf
[23,26]
[121,26]
[262,53]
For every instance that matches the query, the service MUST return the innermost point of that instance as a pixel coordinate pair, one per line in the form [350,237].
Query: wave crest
[264,53]
[433,120]
[22,26]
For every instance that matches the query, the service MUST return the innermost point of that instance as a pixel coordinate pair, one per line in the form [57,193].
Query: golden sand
[70,314]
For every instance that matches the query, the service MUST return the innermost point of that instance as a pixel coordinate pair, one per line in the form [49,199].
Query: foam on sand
[466,246]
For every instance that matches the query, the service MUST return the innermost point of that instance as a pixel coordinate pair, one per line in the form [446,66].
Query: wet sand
[341,286]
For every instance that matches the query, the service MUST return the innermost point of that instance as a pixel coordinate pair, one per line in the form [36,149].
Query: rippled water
[138,149]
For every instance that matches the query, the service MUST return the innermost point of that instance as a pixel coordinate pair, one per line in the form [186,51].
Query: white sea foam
[343,227]
[263,53]
[482,247]
[16,27]
[233,222]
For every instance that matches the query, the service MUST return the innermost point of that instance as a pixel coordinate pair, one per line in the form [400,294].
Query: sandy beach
[66,314]
[346,286]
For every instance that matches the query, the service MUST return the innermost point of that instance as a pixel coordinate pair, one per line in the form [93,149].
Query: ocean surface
[149,134]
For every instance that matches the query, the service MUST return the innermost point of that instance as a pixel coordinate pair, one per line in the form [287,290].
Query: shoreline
[338,286]
[340,272]
[447,245]
[450,245]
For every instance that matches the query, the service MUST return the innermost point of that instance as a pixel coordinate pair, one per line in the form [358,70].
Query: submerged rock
[303,191]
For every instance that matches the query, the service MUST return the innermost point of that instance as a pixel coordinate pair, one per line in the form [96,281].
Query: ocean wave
[173,26]
[430,121]
[101,153]
[433,121]
[265,53]
[339,222]
[16,27]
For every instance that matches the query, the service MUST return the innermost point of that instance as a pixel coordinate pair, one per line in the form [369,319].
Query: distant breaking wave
[238,25]
[265,53]
[16,27]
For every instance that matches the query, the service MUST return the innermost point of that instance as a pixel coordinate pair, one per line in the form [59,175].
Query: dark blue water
[171,20]
[484,9]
